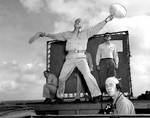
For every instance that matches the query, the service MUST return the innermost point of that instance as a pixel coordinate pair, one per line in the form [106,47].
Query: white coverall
[76,46]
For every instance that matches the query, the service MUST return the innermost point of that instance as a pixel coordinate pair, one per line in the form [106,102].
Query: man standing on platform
[76,46]
[106,60]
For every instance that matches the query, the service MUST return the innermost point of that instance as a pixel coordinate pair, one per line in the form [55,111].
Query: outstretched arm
[95,29]
[58,36]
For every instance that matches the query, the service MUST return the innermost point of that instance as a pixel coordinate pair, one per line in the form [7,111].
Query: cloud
[139,41]
[21,73]
[69,10]
[7,84]
[140,77]
[139,7]
[24,79]
[33,5]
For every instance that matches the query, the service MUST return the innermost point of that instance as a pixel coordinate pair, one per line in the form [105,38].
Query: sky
[22,64]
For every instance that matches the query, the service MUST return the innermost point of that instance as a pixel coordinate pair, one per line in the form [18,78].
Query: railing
[94,116]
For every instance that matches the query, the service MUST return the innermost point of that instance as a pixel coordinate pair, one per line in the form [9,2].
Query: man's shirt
[78,41]
[106,51]
[124,106]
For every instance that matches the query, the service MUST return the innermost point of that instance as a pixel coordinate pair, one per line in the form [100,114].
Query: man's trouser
[82,65]
[49,91]
[107,69]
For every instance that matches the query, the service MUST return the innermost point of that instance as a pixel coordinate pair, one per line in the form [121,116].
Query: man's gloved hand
[42,34]
[36,36]
[109,18]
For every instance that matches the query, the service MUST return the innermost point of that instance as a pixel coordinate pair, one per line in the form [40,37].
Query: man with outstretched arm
[76,45]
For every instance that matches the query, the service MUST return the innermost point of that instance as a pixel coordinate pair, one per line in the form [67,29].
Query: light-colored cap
[112,80]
